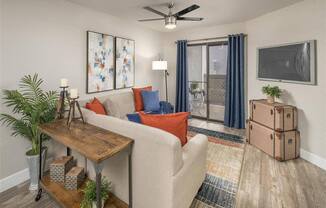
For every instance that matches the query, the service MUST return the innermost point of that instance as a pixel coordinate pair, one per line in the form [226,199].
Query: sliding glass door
[197,69]
[217,64]
[207,72]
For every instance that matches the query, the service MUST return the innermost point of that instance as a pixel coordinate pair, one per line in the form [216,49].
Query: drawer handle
[254,106]
[272,112]
[271,136]
[288,115]
[290,141]
[250,127]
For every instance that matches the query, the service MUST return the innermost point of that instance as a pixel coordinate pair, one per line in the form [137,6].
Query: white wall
[299,22]
[49,37]
[1,78]
[302,21]
[170,50]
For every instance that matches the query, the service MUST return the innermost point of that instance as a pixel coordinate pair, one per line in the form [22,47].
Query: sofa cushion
[134,117]
[151,100]
[138,99]
[120,104]
[174,123]
[96,106]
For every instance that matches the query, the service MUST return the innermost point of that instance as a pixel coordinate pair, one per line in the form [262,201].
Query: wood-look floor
[264,182]
[267,183]
[21,197]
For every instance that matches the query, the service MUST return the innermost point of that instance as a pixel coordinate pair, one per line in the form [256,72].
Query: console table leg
[85,166]
[68,151]
[39,193]
[98,170]
[130,178]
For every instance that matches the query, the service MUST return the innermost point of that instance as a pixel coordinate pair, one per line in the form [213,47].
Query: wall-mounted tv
[295,62]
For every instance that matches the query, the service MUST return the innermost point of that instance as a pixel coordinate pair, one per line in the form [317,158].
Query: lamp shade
[159,65]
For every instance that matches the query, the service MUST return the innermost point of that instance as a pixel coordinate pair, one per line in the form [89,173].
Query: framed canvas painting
[100,62]
[125,63]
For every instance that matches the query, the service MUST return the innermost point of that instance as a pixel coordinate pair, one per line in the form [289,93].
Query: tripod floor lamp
[162,66]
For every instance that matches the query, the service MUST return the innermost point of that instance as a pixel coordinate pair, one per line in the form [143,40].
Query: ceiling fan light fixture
[170,19]
[170,22]
[170,26]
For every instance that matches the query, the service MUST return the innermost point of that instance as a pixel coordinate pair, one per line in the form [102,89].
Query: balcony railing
[216,97]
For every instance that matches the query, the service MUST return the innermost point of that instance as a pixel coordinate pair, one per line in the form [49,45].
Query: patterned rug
[224,160]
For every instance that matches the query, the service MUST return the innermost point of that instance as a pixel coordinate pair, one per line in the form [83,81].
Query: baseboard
[19,177]
[14,180]
[313,158]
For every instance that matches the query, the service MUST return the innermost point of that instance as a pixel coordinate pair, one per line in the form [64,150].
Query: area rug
[224,160]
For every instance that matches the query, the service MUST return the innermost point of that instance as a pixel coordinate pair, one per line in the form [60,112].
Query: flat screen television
[293,62]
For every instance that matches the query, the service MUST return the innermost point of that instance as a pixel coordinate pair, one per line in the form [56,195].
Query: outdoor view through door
[207,65]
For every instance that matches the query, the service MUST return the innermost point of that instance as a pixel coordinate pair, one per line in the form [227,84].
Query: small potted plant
[30,106]
[272,93]
[89,200]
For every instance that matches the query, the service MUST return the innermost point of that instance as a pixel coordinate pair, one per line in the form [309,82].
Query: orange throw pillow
[139,105]
[96,106]
[175,123]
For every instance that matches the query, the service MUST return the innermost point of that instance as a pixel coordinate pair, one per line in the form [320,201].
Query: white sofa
[165,175]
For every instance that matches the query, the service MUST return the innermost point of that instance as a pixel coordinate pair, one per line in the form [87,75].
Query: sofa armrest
[187,181]
[195,147]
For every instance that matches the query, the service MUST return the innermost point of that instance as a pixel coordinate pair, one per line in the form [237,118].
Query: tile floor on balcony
[216,112]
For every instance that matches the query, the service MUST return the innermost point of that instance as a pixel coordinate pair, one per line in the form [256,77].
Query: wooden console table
[95,144]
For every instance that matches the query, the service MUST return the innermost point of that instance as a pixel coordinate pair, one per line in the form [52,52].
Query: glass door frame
[207,44]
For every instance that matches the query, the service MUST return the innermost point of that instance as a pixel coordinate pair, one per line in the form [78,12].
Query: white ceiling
[214,12]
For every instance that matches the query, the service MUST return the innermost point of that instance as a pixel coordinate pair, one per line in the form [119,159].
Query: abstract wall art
[125,63]
[100,62]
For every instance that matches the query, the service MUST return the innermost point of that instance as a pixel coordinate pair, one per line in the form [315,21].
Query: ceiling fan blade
[147,20]
[155,11]
[190,18]
[187,10]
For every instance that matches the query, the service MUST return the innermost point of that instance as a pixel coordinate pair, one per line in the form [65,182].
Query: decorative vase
[270,99]
[94,204]
[33,166]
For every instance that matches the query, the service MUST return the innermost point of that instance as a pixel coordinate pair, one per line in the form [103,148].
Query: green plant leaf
[90,192]
[33,107]
[272,91]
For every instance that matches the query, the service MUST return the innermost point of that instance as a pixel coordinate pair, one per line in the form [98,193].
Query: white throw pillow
[119,105]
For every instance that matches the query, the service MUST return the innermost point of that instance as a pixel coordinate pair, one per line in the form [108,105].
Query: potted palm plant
[272,93]
[31,106]
[89,200]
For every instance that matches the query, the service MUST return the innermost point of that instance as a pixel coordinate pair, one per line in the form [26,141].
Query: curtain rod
[208,39]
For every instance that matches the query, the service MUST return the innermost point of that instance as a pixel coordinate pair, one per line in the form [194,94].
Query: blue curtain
[182,97]
[234,115]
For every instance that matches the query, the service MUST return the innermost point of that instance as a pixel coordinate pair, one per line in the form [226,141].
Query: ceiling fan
[170,18]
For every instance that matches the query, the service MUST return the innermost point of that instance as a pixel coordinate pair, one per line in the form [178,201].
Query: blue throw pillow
[134,117]
[166,107]
[151,100]
[153,112]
